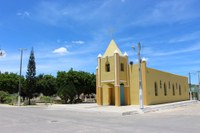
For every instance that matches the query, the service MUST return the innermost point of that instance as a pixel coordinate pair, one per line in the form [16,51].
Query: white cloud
[168,12]
[78,42]
[24,14]
[61,51]
[180,51]
[186,37]
[59,14]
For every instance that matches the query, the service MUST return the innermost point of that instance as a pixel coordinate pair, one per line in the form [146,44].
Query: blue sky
[70,34]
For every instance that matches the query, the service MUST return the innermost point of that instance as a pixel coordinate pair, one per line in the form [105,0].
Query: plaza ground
[72,118]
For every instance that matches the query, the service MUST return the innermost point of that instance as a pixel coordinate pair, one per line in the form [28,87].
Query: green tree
[90,84]
[66,88]
[39,86]
[75,78]
[46,84]
[31,77]
[9,82]
[84,82]
[67,92]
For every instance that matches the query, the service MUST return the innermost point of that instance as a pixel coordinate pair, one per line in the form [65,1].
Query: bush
[45,99]
[3,96]
[7,98]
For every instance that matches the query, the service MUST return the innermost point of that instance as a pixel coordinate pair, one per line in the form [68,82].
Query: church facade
[117,81]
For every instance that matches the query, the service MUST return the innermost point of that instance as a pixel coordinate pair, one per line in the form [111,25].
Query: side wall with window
[169,87]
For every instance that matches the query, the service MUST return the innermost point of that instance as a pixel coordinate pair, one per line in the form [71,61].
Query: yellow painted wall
[112,96]
[109,90]
[153,76]
[106,94]
[123,74]
[149,76]
[127,95]
[105,76]
[134,84]
[144,83]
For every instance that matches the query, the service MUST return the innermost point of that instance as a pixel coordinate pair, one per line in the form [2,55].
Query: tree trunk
[29,101]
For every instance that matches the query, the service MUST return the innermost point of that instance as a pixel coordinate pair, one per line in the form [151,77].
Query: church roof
[112,48]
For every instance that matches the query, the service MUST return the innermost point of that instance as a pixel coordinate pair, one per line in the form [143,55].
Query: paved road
[43,120]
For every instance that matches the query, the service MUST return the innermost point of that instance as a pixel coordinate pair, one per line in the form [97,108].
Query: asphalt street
[42,120]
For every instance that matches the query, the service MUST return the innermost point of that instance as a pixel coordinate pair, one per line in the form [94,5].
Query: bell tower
[112,77]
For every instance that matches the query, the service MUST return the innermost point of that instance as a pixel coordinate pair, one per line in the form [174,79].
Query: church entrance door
[122,98]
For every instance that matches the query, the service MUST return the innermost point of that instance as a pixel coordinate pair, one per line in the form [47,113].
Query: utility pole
[140,77]
[199,85]
[20,73]
[199,78]
[190,86]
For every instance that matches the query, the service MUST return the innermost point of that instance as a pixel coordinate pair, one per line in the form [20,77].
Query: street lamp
[199,79]
[190,86]
[140,76]
[20,73]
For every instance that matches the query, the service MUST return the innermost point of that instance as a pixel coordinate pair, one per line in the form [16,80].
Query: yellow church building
[117,81]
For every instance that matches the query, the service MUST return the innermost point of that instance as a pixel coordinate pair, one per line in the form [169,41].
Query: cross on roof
[111,31]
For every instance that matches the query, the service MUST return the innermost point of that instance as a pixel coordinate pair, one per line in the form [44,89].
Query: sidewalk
[123,110]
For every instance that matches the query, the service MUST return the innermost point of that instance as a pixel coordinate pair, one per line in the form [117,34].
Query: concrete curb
[162,107]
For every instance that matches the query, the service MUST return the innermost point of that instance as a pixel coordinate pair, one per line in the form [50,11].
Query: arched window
[156,89]
[179,90]
[165,90]
[122,67]
[173,89]
[107,67]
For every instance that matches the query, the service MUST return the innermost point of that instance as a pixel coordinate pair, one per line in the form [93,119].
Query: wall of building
[150,77]
[134,84]
[107,76]
[106,94]
[165,80]
[110,82]
[123,74]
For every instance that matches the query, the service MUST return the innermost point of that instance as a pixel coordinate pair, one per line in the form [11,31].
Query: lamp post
[140,77]
[190,86]
[199,85]
[20,73]
[199,78]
